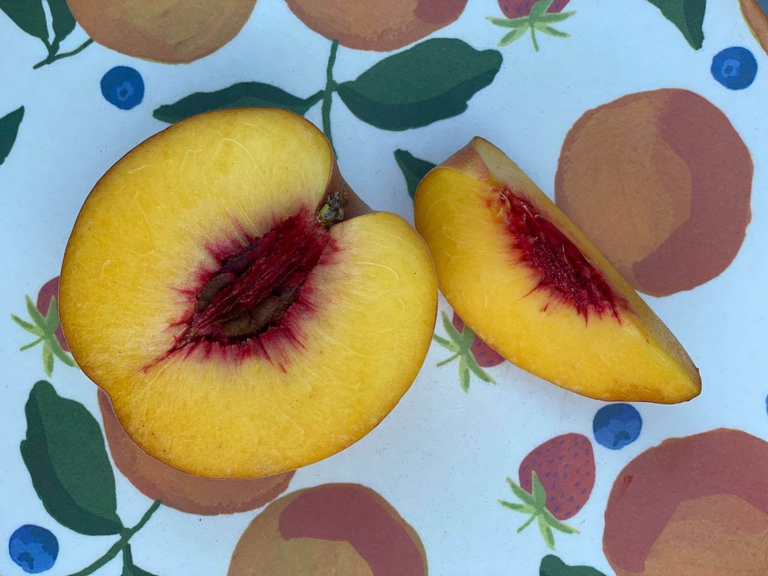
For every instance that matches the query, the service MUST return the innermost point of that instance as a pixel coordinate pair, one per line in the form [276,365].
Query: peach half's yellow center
[537,291]
[246,313]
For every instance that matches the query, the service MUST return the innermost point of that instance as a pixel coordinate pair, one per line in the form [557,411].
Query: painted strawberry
[45,326]
[556,480]
[523,16]
[469,349]
[486,356]
[48,293]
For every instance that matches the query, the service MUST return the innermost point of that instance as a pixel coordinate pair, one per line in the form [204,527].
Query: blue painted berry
[33,548]
[617,425]
[735,68]
[123,86]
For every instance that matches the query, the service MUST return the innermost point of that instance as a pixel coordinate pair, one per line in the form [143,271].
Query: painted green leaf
[236,96]
[414,169]
[9,128]
[687,15]
[45,329]
[432,81]
[552,566]
[63,21]
[27,15]
[65,454]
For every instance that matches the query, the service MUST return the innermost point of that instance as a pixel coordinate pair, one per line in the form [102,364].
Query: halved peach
[537,291]
[245,312]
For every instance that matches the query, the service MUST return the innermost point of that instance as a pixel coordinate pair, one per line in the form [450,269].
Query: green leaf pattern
[687,16]
[460,343]
[45,329]
[431,81]
[67,460]
[535,505]
[9,129]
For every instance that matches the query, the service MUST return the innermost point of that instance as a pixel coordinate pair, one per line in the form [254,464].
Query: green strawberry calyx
[538,20]
[460,343]
[535,504]
[44,329]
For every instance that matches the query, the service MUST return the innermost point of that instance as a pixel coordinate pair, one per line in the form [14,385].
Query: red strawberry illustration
[556,480]
[486,356]
[532,16]
[48,292]
[517,8]
[45,326]
[469,349]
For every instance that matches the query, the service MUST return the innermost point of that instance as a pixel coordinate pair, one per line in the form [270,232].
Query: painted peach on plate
[694,505]
[376,25]
[165,30]
[179,490]
[661,182]
[344,529]
[757,20]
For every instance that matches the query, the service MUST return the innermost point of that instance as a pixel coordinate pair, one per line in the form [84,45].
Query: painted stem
[53,57]
[118,546]
[330,87]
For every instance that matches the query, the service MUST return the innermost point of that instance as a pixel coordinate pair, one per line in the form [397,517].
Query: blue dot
[617,425]
[123,87]
[735,68]
[33,548]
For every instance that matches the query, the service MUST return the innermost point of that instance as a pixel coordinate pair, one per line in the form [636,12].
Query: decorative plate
[644,119]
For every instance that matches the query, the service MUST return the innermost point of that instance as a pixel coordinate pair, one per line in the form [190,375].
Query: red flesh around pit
[254,288]
[561,268]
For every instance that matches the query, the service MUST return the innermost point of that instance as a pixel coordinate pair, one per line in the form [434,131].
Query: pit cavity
[255,287]
[558,264]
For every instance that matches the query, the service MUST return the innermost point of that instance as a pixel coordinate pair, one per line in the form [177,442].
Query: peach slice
[757,20]
[532,286]
[245,312]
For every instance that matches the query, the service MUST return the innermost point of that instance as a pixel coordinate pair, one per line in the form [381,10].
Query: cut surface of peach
[533,287]
[245,312]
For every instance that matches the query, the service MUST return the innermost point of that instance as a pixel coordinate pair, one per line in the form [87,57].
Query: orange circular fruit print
[162,30]
[757,20]
[661,182]
[693,505]
[345,529]
[179,490]
[376,25]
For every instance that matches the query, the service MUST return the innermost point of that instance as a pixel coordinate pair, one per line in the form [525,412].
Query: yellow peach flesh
[145,233]
[623,354]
